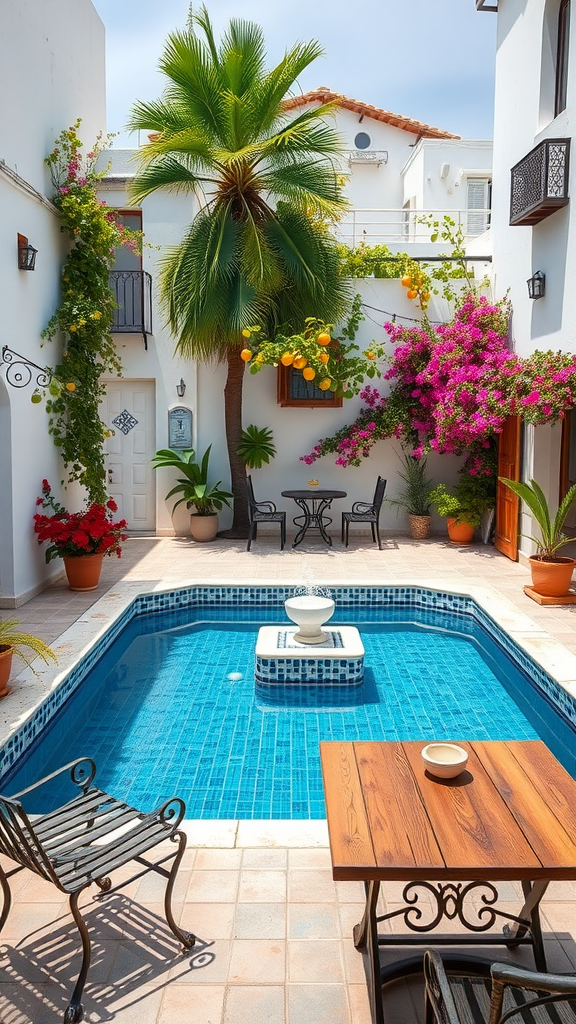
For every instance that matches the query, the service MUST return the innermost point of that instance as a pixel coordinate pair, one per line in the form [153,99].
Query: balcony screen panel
[539,182]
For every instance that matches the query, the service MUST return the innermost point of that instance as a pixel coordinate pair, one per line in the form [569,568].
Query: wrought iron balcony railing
[539,184]
[133,293]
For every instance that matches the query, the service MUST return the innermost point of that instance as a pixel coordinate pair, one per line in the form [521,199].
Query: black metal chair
[66,847]
[263,512]
[366,512]
[509,993]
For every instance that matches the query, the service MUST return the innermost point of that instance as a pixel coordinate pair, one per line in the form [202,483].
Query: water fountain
[308,654]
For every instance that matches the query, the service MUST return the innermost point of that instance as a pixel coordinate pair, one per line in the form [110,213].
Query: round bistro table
[313,503]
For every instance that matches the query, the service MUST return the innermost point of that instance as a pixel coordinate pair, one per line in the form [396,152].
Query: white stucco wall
[51,72]
[436,172]
[296,431]
[524,115]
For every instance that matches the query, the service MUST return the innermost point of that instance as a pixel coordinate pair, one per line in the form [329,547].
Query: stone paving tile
[318,1004]
[260,921]
[258,961]
[258,1003]
[206,1007]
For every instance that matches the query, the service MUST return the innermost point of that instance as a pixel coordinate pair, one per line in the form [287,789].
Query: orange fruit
[370,355]
[324,338]
[425,296]
[411,293]
[324,357]
[246,355]
[300,362]
[406,281]
[71,386]
[309,373]
[246,333]
[287,358]
[325,384]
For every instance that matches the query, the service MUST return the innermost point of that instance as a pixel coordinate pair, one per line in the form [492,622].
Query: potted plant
[195,490]
[551,573]
[415,497]
[81,539]
[11,642]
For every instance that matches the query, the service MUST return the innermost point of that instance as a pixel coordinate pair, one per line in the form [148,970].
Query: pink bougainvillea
[453,388]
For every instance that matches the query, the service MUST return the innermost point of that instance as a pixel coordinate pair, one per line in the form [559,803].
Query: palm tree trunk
[233,421]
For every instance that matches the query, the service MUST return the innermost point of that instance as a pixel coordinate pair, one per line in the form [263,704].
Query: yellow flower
[96,316]
[72,328]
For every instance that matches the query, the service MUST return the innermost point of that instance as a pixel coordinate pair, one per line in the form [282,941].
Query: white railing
[403,226]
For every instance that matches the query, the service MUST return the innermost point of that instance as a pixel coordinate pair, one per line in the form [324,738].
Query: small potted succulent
[415,497]
[12,640]
[551,572]
[206,499]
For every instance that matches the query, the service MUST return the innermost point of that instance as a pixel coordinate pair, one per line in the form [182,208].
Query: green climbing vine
[85,313]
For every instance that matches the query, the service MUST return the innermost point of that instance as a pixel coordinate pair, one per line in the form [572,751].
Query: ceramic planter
[419,526]
[203,528]
[551,579]
[83,571]
[5,669]
[460,533]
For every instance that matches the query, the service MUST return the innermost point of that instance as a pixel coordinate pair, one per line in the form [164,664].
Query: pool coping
[30,697]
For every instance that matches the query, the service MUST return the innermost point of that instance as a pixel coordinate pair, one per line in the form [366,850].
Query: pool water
[172,708]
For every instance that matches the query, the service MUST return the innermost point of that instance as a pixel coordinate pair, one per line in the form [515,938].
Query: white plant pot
[309,612]
[203,528]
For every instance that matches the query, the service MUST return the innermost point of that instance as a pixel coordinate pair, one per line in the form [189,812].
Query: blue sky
[432,60]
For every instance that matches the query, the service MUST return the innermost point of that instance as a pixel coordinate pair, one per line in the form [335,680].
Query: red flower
[91,531]
[111,504]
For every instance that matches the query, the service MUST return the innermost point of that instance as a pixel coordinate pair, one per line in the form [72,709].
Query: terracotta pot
[83,571]
[203,528]
[5,669]
[419,526]
[551,579]
[460,533]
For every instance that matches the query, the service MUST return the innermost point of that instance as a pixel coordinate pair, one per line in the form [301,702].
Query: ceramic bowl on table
[445,760]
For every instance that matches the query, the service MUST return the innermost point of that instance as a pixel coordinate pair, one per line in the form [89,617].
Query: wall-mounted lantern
[26,254]
[181,389]
[537,285]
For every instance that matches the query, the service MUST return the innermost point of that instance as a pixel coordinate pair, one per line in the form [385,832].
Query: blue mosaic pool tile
[328,671]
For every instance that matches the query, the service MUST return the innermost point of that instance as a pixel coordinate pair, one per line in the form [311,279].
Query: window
[478,198]
[293,390]
[562,50]
[362,140]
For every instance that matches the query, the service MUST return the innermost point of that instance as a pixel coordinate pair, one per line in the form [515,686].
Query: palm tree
[257,252]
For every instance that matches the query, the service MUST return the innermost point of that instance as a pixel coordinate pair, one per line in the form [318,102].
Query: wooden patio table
[511,815]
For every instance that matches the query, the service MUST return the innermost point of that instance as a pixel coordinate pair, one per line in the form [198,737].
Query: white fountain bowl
[309,612]
[445,760]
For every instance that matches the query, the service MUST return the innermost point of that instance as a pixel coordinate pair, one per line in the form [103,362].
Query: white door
[129,410]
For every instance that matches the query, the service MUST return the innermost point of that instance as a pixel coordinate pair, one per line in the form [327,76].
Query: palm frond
[242,56]
[314,185]
[165,173]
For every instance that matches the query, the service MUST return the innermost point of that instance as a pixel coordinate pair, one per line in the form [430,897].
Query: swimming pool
[171,706]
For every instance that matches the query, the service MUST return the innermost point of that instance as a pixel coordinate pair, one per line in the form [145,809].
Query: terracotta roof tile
[407,124]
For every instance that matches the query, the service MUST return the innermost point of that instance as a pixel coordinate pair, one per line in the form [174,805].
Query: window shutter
[477,198]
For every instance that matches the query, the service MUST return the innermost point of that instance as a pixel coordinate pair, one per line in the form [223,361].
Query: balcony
[133,293]
[539,182]
[404,226]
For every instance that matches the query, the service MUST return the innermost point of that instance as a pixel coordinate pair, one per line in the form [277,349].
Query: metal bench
[83,841]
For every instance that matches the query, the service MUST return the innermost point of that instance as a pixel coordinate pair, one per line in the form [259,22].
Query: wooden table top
[510,815]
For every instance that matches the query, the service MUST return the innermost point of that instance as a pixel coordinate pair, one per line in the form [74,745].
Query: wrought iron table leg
[302,531]
[533,893]
[366,935]
[319,516]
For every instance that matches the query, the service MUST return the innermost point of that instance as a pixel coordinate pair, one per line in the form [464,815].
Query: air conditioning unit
[368,156]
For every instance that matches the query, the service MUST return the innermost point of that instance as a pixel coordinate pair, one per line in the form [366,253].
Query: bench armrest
[82,771]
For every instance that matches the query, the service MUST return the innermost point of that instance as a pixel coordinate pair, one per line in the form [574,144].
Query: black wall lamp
[537,285]
[181,388]
[26,254]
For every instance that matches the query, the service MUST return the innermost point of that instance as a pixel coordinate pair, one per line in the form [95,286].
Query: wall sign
[180,427]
